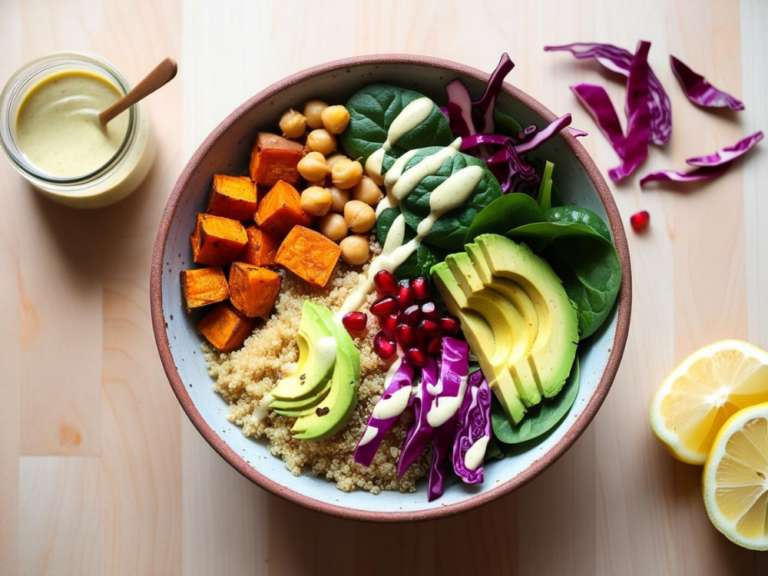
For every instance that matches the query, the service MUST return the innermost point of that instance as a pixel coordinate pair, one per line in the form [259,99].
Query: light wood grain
[101,473]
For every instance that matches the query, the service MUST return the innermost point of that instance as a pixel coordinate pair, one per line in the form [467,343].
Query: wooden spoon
[159,77]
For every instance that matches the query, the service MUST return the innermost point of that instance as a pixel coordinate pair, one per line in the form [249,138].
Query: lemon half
[704,391]
[736,479]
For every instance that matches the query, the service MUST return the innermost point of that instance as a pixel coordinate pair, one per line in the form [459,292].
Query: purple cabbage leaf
[698,89]
[420,431]
[473,430]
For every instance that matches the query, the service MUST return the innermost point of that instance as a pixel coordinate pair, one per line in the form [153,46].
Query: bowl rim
[237,461]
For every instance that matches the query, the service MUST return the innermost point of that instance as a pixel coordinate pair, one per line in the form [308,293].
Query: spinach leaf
[505,124]
[540,418]
[451,228]
[493,450]
[504,214]
[584,260]
[421,261]
[545,188]
[371,112]
[579,215]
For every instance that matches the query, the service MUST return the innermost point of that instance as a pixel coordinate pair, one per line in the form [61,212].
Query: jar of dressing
[49,128]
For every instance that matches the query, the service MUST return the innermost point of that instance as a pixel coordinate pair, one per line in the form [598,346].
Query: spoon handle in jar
[159,77]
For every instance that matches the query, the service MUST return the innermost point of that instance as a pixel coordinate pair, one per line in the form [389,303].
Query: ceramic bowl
[227,150]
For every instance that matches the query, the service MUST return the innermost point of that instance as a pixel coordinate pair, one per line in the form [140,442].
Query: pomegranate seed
[420,288]
[386,283]
[416,357]
[449,325]
[640,221]
[404,297]
[429,327]
[355,321]
[384,346]
[435,346]
[429,310]
[412,314]
[384,307]
[407,336]
[388,324]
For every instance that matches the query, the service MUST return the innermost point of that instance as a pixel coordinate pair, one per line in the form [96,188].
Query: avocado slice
[295,408]
[516,317]
[333,412]
[317,356]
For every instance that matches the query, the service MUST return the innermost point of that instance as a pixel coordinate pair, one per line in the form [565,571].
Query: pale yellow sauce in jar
[57,125]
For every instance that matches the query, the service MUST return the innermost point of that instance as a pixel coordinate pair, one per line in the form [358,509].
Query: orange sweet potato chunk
[280,210]
[253,289]
[232,197]
[216,240]
[309,255]
[275,158]
[261,248]
[226,328]
[204,286]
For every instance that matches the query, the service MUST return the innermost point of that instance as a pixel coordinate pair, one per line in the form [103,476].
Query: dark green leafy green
[544,198]
[578,215]
[449,231]
[371,112]
[505,124]
[504,214]
[421,261]
[539,419]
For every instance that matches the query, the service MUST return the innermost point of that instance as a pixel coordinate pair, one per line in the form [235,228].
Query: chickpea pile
[338,194]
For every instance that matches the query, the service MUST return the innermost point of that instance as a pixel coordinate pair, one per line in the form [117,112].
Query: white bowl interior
[230,154]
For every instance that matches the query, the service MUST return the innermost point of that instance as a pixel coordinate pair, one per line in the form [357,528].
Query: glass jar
[109,183]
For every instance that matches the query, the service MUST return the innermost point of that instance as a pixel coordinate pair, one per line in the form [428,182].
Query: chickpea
[332,226]
[316,201]
[355,250]
[335,159]
[367,191]
[346,173]
[313,167]
[321,141]
[359,216]
[293,124]
[340,199]
[335,119]
[313,112]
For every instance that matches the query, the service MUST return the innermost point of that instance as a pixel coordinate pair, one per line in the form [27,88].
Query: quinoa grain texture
[243,377]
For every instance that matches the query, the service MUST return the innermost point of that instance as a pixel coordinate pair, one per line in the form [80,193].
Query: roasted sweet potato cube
[275,158]
[280,210]
[233,197]
[217,240]
[309,255]
[261,248]
[253,289]
[204,286]
[226,328]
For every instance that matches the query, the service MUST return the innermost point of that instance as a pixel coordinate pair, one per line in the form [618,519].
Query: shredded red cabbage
[474,425]
[597,102]
[460,108]
[700,91]
[576,132]
[707,167]
[420,431]
[635,149]
[543,135]
[482,109]
[620,61]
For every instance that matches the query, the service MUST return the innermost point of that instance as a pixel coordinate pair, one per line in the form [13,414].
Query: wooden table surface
[101,472]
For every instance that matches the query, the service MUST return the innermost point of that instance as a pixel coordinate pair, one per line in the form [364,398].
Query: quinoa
[243,377]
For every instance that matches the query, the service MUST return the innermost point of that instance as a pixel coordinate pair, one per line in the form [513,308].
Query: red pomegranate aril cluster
[355,321]
[408,319]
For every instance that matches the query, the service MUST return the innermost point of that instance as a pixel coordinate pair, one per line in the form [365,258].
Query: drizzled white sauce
[369,435]
[476,453]
[325,349]
[261,409]
[444,407]
[393,406]
[411,116]
[452,193]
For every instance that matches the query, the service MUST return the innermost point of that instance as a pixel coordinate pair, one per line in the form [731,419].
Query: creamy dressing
[393,406]
[444,407]
[368,436]
[453,192]
[262,408]
[58,129]
[325,350]
[476,453]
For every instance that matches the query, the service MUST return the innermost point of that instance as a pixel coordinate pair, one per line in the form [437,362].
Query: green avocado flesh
[515,315]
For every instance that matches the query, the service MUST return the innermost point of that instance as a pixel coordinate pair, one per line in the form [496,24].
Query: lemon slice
[704,391]
[736,478]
